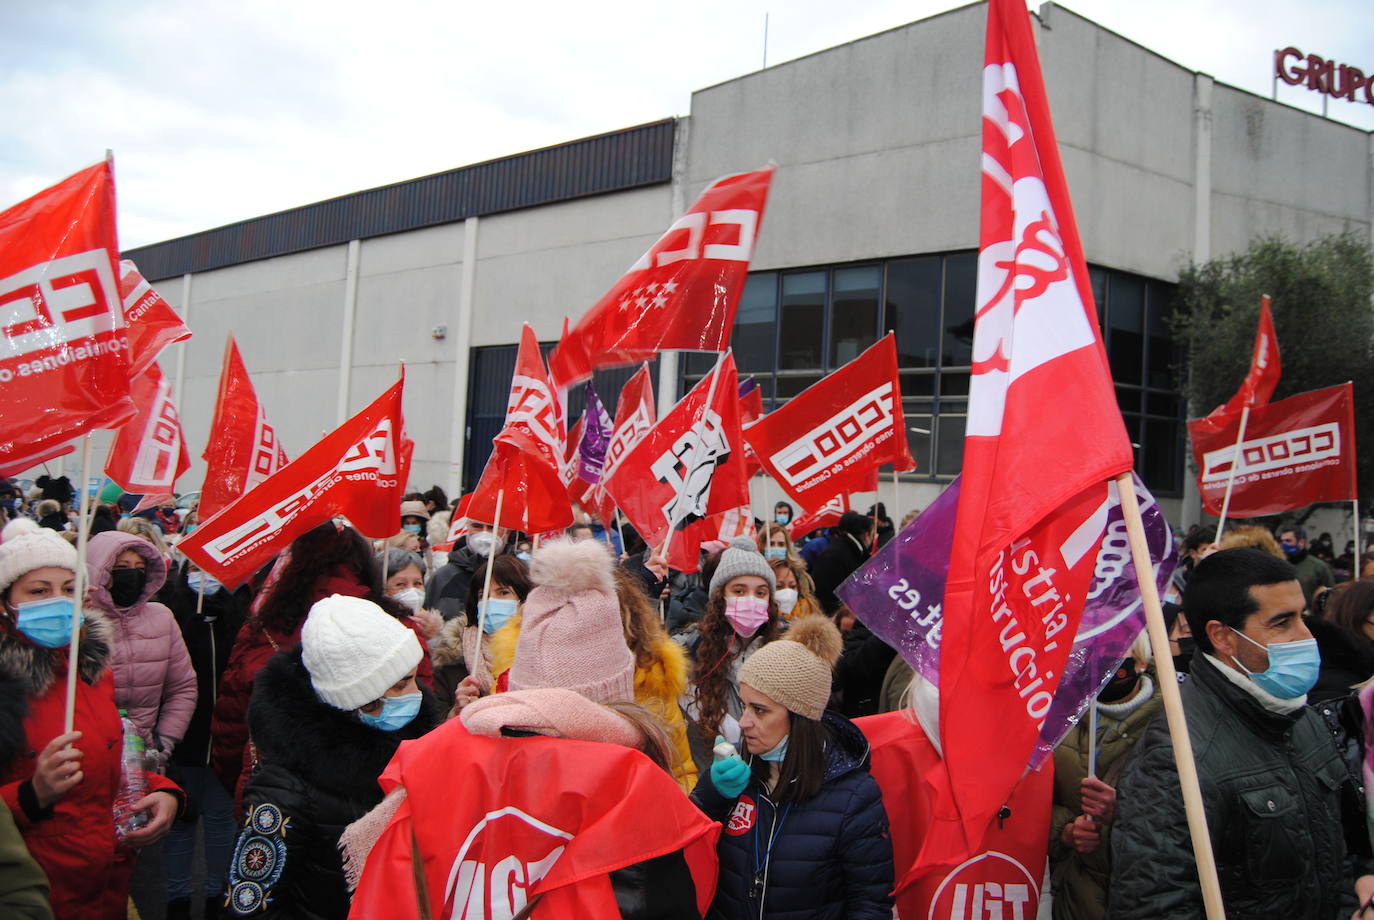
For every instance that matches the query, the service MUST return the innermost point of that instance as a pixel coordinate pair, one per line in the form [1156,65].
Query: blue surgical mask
[200,583]
[783,519]
[46,622]
[413,528]
[397,712]
[778,752]
[523,557]
[496,613]
[775,552]
[1292,670]
[1290,549]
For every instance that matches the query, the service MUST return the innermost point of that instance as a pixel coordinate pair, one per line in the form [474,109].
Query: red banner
[149,452]
[153,324]
[1259,383]
[689,467]
[827,515]
[832,437]
[526,467]
[358,470]
[243,449]
[681,294]
[64,362]
[1297,451]
[1043,428]
[635,415]
[15,465]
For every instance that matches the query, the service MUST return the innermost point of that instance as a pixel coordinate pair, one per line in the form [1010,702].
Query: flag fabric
[688,468]
[457,527]
[827,515]
[64,348]
[1297,451]
[1258,385]
[571,459]
[1043,436]
[832,437]
[16,464]
[152,323]
[528,457]
[149,451]
[750,411]
[635,415]
[243,449]
[681,294]
[596,435]
[358,470]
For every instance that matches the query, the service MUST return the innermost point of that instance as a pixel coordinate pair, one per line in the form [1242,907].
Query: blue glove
[730,776]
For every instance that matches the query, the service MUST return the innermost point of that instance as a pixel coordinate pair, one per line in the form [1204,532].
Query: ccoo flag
[149,451]
[243,449]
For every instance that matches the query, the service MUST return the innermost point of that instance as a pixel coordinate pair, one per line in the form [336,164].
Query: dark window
[961,277]
[913,309]
[802,333]
[756,324]
[853,312]
[1126,327]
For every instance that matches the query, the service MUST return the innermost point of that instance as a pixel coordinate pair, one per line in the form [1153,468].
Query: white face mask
[411,597]
[786,598]
[483,543]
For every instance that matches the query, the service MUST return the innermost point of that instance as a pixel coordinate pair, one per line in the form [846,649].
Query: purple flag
[898,595]
[596,436]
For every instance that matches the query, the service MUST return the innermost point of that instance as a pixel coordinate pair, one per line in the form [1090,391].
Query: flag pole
[78,617]
[200,595]
[896,492]
[1092,737]
[491,564]
[1356,573]
[696,448]
[1173,702]
[386,559]
[1231,478]
[767,505]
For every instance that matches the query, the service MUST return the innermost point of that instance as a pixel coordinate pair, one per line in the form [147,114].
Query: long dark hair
[506,570]
[717,647]
[1349,605]
[803,769]
[315,555]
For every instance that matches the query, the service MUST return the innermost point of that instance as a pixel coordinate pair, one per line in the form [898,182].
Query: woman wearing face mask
[61,788]
[776,544]
[458,670]
[740,617]
[795,594]
[805,831]
[414,518]
[210,617]
[154,679]
[405,584]
[326,717]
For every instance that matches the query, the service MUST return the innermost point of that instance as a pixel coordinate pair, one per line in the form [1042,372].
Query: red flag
[243,449]
[578,488]
[527,458]
[1043,437]
[457,526]
[13,466]
[635,415]
[153,324]
[750,411]
[689,467]
[682,293]
[827,515]
[358,470]
[1259,383]
[149,452]
[834,435]
[1297,451]
[64,362]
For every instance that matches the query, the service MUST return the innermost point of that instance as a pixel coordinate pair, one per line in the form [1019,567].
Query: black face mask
[1186,645]
[126,586]
[1122,684]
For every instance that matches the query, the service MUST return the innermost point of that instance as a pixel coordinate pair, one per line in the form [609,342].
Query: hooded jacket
[317,773]
[154,680]
[831,857]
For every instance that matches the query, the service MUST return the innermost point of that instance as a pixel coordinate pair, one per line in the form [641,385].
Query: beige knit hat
[36,549]
[355,651]
[794,671]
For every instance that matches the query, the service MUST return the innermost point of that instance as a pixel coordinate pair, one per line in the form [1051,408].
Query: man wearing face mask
[447,588]
[1312,572]
[1269,773]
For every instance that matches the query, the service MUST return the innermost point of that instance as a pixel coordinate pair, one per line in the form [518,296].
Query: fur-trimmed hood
[101,552]
[37,668]
[447,647]
[326,747]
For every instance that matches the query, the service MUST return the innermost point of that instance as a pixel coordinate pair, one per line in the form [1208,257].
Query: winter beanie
[17,526]
[571,635]
[794,671]
[742,557]
[37,549]
[354,651]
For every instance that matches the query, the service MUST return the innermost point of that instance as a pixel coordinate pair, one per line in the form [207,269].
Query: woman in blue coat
[805,837]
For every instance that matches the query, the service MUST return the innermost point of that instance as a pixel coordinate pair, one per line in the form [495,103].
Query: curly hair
[718,648]
[318,553]
[643,627]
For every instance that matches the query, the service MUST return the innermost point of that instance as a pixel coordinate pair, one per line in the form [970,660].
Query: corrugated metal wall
[629,158]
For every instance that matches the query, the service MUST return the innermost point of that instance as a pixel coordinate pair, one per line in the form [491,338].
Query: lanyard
[761,866]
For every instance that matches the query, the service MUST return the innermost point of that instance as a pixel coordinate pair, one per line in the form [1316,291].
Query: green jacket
[1080,879]
[1271,792]
[23,886]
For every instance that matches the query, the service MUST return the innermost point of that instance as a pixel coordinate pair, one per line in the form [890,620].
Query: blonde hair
[143,528]
[766,533]
[1252,537]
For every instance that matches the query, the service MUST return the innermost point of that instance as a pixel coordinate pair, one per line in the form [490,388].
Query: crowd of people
[357,726]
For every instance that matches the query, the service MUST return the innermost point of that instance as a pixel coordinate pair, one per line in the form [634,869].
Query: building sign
[1340,81]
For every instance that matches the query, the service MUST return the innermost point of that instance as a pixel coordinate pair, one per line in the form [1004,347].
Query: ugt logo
[990,886]
[688,466]
[503,858]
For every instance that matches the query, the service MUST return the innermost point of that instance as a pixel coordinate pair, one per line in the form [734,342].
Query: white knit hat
[37,549]
[17,526]
[355,651]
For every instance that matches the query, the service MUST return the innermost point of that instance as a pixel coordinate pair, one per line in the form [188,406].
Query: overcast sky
[225,110]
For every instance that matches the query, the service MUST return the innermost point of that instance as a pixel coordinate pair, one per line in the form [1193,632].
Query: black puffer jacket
[840,559]
[317,773]
[1271,788]
[832,855]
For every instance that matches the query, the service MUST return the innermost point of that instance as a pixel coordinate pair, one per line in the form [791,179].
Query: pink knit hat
[570,630]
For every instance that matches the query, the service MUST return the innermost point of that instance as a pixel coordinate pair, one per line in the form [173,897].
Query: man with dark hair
[1312,572]
[847,550]
[1270,775]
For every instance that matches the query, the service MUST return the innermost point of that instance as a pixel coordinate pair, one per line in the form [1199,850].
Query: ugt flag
[681,294]
[1043,427]
[358,470]
[635,415]
[64,361]
[1297,451]
[837,432]
[153,324]
[243,449]
[149,451]
[1265,368]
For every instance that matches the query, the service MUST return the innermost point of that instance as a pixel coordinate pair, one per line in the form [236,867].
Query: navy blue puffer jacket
[832,855]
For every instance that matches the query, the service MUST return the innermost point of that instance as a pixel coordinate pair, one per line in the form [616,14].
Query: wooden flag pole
[200,595]
[896,490]
[491,564]
[1173,702]
[1231,477]
[1092,737]
[1356,557]
[78,616]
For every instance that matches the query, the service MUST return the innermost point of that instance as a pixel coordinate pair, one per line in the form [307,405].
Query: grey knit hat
[742,557]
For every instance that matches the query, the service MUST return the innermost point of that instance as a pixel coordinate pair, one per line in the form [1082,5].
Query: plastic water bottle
[132,785]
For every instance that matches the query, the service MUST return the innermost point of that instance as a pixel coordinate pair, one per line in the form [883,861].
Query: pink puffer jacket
[154,679]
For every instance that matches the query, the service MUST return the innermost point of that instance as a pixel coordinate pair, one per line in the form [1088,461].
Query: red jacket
[75,844]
